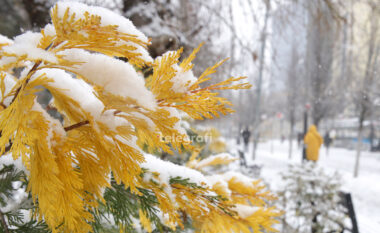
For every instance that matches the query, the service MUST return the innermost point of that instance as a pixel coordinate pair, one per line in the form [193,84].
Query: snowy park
[179,116]
[365,189]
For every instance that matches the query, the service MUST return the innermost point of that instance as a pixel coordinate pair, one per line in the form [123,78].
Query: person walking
[246,134]
[299,139]
[313,142]
[327,140]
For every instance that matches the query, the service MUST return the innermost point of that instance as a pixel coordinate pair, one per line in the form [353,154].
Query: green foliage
[8,175]
[17,221]
[121,209]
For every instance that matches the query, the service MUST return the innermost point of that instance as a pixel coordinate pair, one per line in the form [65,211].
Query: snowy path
[365,189]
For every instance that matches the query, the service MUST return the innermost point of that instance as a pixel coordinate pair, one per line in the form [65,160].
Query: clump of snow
[116,76]
[9,82]
[107,18]
[17,198]
[49,30]
[76,89]
[245,211]
[5,40]
[26,44]
[19,195]
[83,93]
[7,159]
[169,170]
[182,80]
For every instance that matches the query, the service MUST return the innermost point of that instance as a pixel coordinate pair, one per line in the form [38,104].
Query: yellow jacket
[313,142]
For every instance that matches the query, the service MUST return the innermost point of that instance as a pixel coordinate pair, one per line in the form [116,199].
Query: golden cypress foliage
[70,161]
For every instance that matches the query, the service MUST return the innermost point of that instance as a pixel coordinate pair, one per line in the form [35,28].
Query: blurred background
[316,59]
[310,62]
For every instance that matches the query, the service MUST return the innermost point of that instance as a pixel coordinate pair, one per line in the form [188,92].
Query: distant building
[344,133]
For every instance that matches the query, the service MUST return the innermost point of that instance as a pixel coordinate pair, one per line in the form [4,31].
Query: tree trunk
[291,134]
[256,119]
[365,101]
[358,148]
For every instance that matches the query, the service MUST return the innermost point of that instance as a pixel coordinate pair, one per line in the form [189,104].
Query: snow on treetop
[115,76]
[108,18]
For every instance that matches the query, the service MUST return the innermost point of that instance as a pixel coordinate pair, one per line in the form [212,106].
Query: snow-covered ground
[365,189]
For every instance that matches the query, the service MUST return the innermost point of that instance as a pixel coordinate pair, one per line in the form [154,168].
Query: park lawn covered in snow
[365,190]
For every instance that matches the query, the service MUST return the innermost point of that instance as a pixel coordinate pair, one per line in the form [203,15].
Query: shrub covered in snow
[86,171]
[311,201]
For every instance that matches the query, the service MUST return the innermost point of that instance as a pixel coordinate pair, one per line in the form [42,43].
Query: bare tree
[365,93]
[293,93]
[319,58]
[257,108]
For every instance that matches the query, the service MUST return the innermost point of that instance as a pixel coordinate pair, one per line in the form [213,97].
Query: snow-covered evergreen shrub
[85,170]
[311,201]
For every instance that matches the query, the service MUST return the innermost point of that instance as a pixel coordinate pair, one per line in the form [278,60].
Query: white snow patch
[7,159]
[83,93]
[169,170]
[26,44]
[182,80]
[116,76]
[5,40]
[9,82]
[245,211]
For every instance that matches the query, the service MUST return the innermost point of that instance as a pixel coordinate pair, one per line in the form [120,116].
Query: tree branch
[26,82]
[3,222]
[34,68]
[77,125]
